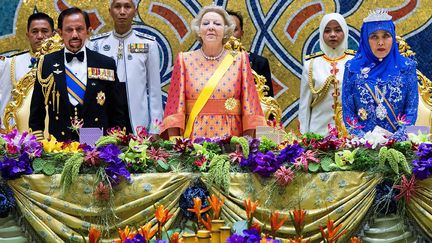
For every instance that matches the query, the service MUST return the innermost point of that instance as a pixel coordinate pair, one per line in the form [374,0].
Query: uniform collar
[122,36]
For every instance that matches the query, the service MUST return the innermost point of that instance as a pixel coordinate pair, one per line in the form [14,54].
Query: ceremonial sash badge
[100,73]
[230,104]
[138,48]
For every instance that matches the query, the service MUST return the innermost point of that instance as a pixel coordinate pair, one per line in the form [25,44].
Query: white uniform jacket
[316,119]
[137,58]
[12,70]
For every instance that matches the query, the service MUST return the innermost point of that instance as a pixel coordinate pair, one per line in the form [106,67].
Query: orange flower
[275,224]
[298,239]
[355,240]
[162,215]
[332,235]
[216,205]
[207,223]
[197,208]
[125,234]
[147,231]
[175,238]
[94,235]
[297,216]
[250,208]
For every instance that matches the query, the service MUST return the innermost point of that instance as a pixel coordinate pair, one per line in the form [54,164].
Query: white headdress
[377,15]
[338,51]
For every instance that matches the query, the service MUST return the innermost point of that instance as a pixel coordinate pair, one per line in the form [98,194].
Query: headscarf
[390,65]
[343,46]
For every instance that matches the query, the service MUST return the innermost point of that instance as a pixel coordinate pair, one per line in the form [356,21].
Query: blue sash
[75,87]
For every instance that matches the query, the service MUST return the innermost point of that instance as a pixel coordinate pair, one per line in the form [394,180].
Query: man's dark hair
[238,15]
[40,16]
[71,11]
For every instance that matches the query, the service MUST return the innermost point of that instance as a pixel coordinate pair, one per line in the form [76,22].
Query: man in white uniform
[137,58]
[40,27]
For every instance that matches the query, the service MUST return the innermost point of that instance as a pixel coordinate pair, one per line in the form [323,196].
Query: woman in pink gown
[233,107]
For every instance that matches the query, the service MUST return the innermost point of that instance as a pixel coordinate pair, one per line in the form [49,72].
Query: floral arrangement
[254,232]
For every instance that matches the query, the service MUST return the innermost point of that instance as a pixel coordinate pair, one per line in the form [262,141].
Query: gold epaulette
[350,52]
[19,53]
[314,55]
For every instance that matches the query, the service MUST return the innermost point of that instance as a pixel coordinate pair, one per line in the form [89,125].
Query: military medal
[100,98]
[106,47]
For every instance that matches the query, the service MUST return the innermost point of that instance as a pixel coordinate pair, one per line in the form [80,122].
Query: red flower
[237,155]
[199,162]
[407,188]
[92,157]
[332,235]
[94,235]
[284,176]
[157,154]
[275,224]
[102,192]
[297,216]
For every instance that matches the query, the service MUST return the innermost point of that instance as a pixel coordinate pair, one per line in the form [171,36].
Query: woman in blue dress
[379,88]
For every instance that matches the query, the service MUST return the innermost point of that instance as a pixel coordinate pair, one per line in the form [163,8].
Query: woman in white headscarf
[323,71]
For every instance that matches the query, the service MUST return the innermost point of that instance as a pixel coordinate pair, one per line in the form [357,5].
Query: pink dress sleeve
[175,109]
[252,114]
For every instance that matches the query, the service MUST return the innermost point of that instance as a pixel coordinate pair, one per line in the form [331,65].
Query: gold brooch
[362,113]
[230,104]
[100,98]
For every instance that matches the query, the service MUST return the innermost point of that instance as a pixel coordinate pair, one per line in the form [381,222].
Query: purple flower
[235,238]
[265,164]
[424,151]
[138,238]
[109,153]
[12,169]
[422,169]
[17,143]
[254,144]
[290,153]
[115,167]
[252,235]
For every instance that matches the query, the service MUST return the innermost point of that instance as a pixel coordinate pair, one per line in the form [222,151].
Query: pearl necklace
[212,58]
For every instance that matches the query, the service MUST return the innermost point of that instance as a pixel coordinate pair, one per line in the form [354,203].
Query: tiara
[377,15]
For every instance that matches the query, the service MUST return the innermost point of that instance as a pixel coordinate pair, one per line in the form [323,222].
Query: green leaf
[38,165]
[325,164]
[313,167]
[49,169]
[162,166]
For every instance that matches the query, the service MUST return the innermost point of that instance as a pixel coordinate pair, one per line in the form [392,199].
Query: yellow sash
[208,91]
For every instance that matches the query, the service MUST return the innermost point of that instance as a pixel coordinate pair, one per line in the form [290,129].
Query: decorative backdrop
[284,31]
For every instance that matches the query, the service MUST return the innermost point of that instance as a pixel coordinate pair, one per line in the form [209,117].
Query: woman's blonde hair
[228,27]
